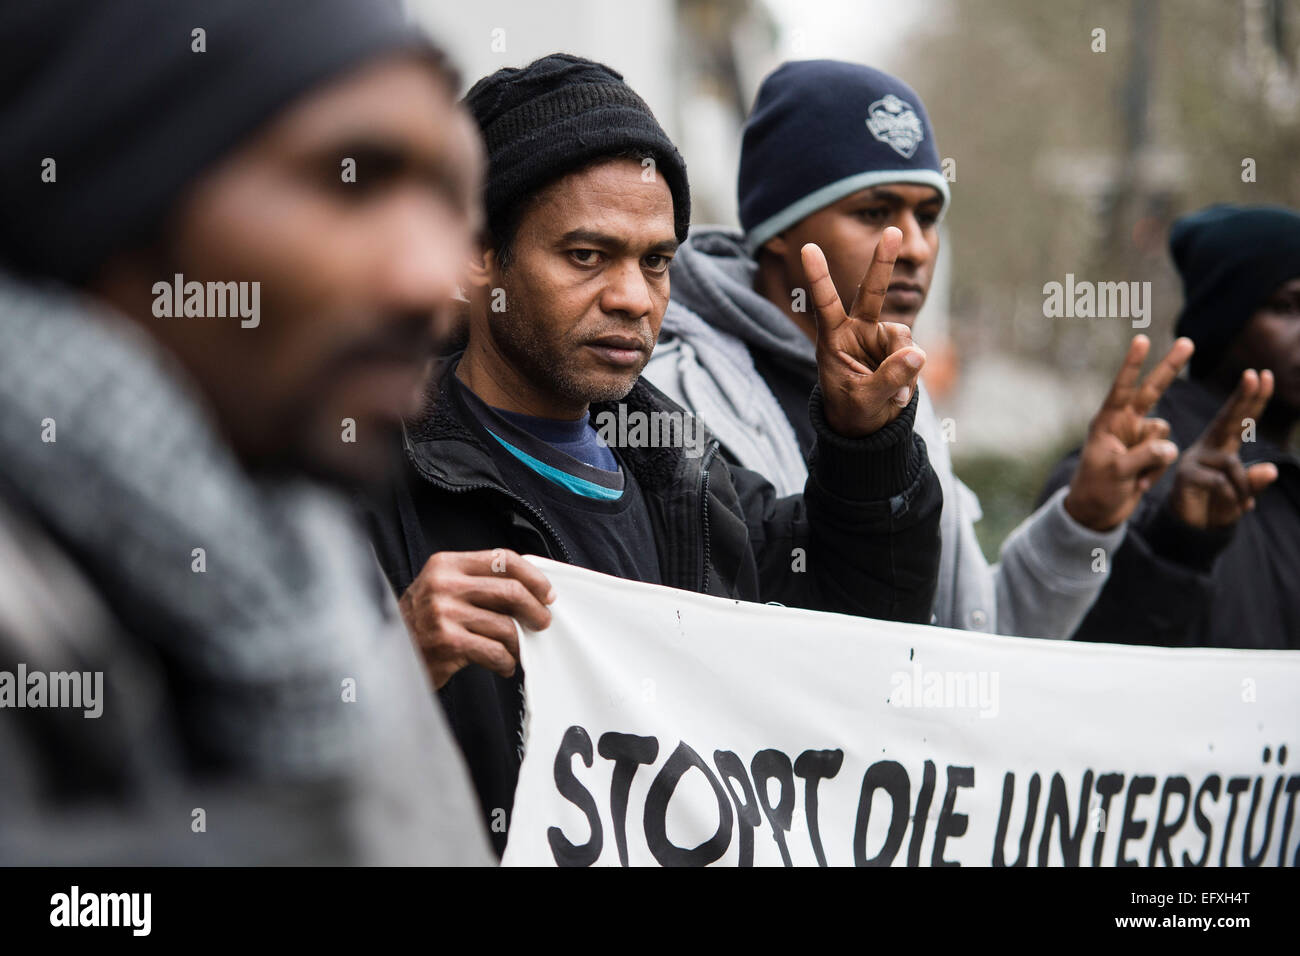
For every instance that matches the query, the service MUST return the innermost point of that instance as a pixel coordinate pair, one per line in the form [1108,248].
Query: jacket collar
[446,450]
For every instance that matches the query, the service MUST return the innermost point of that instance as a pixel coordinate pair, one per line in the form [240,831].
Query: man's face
[1271,340]
[357,278]
[847,232]
[586,285]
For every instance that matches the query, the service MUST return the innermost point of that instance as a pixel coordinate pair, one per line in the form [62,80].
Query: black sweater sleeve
[863,538]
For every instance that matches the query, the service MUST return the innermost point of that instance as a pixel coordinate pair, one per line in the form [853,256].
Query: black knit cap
[1231,260]
[131,113]
[557,115]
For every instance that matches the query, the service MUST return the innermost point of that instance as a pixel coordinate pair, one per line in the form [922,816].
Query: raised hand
[1125,452]
[866,368]
[1212,489]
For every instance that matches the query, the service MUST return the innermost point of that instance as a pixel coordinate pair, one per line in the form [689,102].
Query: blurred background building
[1078,130]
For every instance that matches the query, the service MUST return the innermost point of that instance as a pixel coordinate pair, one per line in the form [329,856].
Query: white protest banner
[668,728]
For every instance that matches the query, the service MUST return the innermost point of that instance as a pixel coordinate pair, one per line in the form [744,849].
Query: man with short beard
[586,201]
[262,701]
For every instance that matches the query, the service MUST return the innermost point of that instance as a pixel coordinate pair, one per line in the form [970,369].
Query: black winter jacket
[868,522]
[1175,586]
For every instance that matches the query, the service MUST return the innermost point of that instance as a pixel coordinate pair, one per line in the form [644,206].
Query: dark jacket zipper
[462,489]
[546,525]
[704,514]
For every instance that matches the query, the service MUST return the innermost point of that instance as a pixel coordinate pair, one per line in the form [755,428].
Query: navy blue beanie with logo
[1231,260]
[821,130]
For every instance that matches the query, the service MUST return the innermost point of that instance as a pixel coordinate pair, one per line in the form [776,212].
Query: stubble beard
[549,366]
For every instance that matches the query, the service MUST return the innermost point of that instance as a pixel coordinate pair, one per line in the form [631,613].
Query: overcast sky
[869,31]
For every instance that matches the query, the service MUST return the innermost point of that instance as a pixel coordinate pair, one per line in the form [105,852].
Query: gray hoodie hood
[713,276]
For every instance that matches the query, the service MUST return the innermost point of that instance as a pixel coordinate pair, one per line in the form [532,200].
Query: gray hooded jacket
[1044,582]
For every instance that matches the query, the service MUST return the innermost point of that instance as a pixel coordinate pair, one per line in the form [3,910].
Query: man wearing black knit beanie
[232,233]
[543,438]
[1213,556]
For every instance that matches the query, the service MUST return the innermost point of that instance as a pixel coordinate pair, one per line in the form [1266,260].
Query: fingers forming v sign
[867,368]
[1213,489]
[1126,452]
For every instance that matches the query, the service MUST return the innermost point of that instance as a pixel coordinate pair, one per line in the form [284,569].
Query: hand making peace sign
[867,369]
[1125,452]
[1212,488]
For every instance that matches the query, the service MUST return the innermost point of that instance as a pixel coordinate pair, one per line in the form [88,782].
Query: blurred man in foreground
[526,449]
[835,154]
[1213,557]
[232,235]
